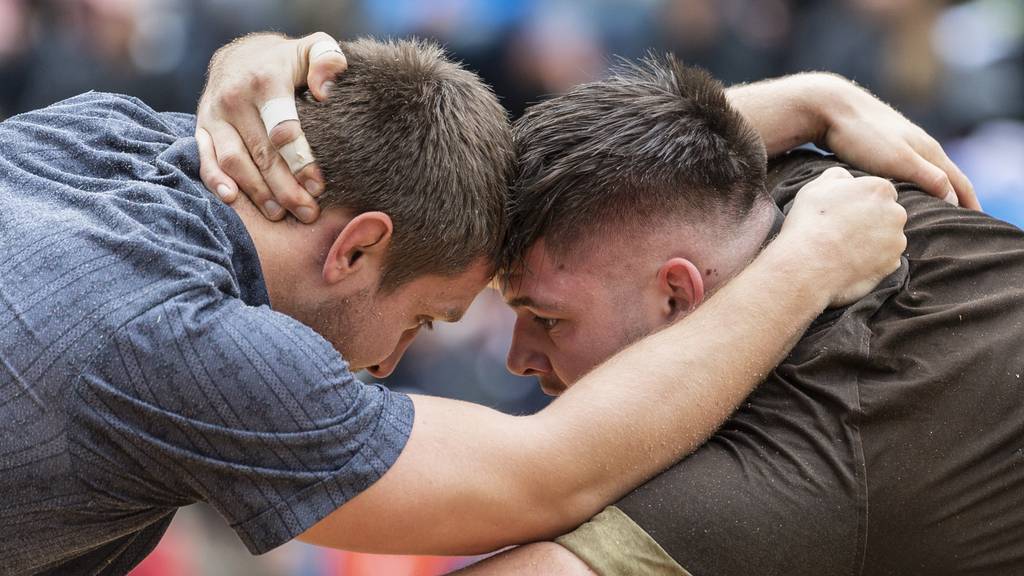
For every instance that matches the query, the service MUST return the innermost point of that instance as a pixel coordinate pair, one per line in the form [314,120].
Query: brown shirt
[890,441]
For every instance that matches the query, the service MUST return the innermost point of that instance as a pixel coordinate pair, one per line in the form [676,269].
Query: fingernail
[273,208]
[305,213]
[224,191]
[326,88]
[313,187]
[951,198]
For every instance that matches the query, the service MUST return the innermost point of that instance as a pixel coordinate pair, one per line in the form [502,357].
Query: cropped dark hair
[654,141]
[408,132]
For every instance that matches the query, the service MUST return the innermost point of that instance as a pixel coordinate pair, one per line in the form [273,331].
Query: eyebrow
[528,302]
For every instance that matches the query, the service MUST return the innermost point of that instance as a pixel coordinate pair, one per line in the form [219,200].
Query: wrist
[801,268]
[833,101]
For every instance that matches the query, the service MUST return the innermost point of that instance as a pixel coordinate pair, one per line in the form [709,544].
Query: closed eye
[546,323]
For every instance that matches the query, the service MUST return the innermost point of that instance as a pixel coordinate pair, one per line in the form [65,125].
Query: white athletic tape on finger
[322,47]
[277,110]
[297,154]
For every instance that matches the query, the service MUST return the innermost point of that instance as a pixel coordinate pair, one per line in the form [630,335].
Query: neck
[735,254]
[291,253]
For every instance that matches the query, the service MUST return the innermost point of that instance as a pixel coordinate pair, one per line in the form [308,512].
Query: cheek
[572,357]
[581,354]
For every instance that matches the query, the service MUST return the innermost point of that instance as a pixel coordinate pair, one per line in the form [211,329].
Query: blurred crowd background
[956,68]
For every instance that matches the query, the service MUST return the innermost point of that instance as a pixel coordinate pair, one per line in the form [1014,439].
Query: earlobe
[359,246]
[681,284]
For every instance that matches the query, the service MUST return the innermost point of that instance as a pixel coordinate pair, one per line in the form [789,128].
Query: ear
[680,282]
[360,245]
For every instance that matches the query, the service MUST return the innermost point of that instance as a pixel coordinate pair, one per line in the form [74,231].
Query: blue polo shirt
[141,366]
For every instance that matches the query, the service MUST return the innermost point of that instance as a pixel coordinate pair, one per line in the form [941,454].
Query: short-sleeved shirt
[889,442]
[141,366]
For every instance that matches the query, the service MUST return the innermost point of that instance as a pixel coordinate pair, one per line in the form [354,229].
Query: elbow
[545,512]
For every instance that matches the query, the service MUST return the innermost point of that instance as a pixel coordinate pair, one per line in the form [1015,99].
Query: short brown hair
[410,133]
[656,140]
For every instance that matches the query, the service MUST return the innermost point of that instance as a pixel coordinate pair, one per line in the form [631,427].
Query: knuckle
[260,81]
[263,155]
[232,161]
[232,97]
[882,186]
[256,190]
[905,156]
[284,133]
[836,171]
[290,197]
[936,179]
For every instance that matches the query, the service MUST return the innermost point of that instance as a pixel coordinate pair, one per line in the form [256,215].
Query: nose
[524,356]
[385,368]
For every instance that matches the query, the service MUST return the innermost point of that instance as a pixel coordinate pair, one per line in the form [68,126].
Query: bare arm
[835,113]
[472,479]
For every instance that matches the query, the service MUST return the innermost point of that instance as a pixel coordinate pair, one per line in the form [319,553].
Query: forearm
[660,399]
[789,111]
[472,480]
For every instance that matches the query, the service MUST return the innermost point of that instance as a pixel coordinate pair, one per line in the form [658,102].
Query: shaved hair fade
[408,132]
[654,142]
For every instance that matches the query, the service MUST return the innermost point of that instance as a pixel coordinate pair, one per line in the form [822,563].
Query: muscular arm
[833,112]
[472,479]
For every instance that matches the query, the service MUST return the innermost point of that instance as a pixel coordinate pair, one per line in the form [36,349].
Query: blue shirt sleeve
[204,398]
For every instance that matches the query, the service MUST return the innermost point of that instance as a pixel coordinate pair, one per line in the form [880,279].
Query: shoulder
[202,349]
[96,116]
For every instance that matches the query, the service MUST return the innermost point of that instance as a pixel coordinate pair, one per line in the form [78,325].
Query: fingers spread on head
[279,154]
[289,195]
[312,180]
[235,160]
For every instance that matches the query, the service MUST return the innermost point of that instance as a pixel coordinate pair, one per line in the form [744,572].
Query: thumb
[325,61]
